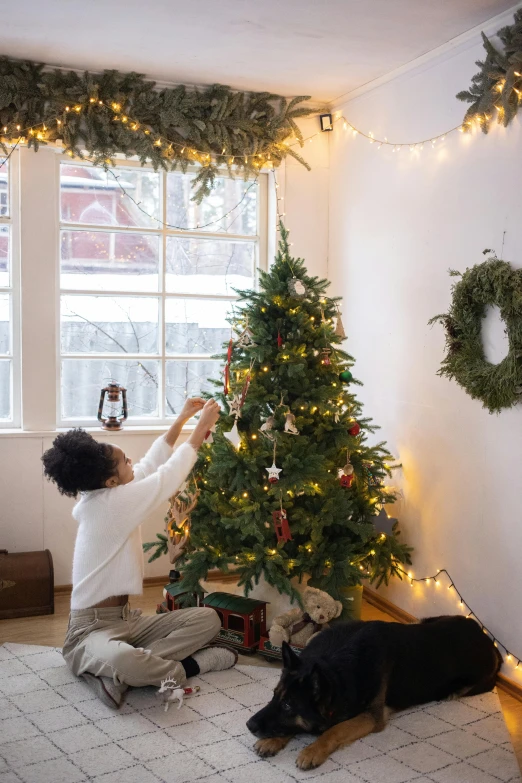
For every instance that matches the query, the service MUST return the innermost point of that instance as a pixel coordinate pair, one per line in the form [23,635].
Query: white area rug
[52,730]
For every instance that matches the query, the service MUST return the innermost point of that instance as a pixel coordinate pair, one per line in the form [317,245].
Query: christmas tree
[289,486]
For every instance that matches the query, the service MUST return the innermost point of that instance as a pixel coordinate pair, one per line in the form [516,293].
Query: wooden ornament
[281,526]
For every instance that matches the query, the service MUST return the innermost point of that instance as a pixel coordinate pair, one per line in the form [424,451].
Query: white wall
[32,513]
[398,221]
[306,199]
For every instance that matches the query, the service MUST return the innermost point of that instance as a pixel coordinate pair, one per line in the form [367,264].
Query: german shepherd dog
[350,677]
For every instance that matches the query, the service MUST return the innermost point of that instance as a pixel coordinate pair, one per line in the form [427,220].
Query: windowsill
[146,429]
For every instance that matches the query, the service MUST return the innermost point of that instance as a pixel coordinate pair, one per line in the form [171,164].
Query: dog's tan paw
[269,747]
[312,756]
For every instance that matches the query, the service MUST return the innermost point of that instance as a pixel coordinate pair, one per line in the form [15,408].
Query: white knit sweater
[108,556]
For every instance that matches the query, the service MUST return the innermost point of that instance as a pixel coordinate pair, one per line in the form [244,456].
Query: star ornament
[273,473]
[383,523]
[233,436]
[235,405]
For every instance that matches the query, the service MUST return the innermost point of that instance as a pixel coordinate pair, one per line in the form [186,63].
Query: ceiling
[322,48]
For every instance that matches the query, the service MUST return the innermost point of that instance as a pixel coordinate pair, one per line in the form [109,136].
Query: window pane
[107,261]
[188,379]
[5,389]
[83,379]
[4,256]
[196,325]
[4,189]
[88,194]
[5,324]
[109,324]
[226,194]
[208,266]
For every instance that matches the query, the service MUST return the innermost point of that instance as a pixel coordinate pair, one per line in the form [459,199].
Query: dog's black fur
[360,668]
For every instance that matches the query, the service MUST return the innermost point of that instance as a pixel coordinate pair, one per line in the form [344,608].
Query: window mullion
[163,279]
[39,283]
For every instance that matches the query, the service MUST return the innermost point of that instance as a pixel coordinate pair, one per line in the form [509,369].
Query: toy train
[243,620]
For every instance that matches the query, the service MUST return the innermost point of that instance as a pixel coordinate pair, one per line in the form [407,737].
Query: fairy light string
[204,157]
[39,130]
[510,656]
[397,146]
[160,222]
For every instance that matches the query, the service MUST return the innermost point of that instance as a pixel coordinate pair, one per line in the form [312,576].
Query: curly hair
[78,463]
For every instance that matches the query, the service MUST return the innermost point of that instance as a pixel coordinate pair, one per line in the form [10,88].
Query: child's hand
[191,407]
[209,415]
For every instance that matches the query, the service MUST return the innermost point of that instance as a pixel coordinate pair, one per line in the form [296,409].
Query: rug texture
[53,730]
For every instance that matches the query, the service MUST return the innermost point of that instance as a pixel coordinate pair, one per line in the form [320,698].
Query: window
[9,371]
[236,623]
[144,303]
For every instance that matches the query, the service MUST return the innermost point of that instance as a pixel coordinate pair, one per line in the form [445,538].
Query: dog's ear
[321,687]
[290,658]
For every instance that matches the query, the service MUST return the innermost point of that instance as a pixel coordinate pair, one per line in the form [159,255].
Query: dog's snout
[253,725]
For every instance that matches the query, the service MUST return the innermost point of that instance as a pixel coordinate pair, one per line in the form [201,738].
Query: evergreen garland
[335,539]
[493,282]
[111,112]
[497,87]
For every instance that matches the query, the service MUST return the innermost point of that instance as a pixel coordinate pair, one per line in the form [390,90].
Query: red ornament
[281,526]
[355,429]
[226,388]
[245,390]
[346,481]
[279,340]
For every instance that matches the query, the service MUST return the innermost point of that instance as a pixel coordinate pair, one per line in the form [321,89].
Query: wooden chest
[26,584]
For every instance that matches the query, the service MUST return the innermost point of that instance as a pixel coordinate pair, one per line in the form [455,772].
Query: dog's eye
[285,706]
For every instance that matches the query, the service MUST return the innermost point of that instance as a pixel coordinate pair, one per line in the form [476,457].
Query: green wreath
[493,282]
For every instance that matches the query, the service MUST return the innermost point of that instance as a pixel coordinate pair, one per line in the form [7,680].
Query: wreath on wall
[492,282]
[111,112]
[497,88]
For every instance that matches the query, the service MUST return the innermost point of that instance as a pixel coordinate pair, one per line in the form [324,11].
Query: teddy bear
[298,626]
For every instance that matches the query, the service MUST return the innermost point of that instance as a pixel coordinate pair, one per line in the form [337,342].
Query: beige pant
[137,650]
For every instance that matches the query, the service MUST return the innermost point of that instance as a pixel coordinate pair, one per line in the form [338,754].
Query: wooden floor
[50,630]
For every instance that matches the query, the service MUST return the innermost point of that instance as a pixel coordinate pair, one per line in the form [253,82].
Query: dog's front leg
[271,746]
[342,734]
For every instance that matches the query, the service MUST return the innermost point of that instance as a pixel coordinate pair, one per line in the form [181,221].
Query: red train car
[243,620]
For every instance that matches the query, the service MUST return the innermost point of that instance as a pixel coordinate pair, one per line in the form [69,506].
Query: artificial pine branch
[240,130]
[497,88]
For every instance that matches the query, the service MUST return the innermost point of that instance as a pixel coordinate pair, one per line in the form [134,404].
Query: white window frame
[13,221]
[261,242]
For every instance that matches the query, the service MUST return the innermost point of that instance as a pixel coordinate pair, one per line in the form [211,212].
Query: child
[107,644]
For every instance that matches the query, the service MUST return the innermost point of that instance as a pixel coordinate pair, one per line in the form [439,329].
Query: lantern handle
[100,406]
[125,411]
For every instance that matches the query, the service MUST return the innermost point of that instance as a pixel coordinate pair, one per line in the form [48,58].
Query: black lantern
[116,397]
[326,122]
